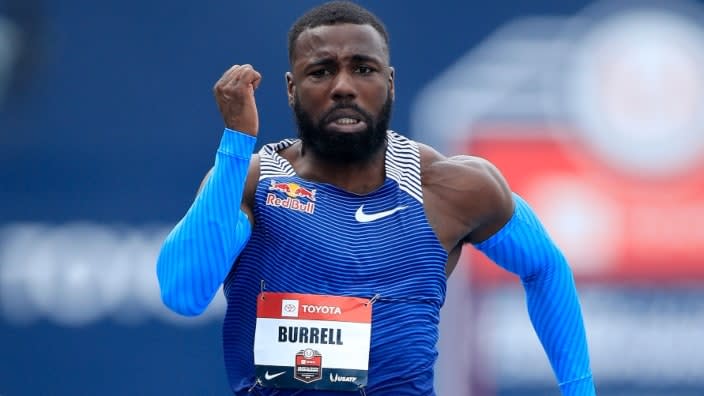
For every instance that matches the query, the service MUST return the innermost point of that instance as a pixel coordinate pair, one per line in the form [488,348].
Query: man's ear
[290,88]
[391,82]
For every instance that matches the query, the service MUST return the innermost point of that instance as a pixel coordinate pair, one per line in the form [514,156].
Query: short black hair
[332,13]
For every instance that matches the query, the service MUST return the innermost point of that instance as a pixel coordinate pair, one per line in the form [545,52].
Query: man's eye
[364,69]
[320,73]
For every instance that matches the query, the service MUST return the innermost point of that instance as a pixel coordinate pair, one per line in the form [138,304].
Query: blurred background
[592,110]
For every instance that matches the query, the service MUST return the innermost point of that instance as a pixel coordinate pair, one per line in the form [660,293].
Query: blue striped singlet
[318,247]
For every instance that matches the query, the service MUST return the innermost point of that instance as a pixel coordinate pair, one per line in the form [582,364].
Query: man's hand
[234,94]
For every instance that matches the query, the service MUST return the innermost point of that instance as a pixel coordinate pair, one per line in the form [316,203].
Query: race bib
[308,341]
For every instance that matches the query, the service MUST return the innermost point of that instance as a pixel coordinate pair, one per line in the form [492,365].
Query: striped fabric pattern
[523,247]
[396,258]
[198,252]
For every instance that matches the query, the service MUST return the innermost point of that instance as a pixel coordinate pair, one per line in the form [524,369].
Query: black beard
[338,147]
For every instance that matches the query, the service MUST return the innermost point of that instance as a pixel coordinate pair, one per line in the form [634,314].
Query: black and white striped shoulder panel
[403,164]
[271,164]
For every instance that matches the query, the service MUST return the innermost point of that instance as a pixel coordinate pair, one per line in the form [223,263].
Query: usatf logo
[309,366]
[340,378]
[289,308]
[291,196]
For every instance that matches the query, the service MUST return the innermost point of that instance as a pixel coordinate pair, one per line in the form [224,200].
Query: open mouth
[347,124]
[346,120]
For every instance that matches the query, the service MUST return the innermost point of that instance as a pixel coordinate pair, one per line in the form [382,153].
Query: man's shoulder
[435,165]
[466,191]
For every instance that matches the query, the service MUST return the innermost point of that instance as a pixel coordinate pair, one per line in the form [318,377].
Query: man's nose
[343,87]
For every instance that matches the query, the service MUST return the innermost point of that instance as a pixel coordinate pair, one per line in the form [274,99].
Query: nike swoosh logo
[362,217]
[270,377]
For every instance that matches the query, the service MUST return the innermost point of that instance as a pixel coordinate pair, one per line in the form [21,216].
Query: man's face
[341,90]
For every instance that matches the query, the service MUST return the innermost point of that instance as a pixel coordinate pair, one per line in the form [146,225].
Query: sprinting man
[334,248]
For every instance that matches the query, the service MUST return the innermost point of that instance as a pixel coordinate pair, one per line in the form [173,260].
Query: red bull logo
[292,190]
[295,196]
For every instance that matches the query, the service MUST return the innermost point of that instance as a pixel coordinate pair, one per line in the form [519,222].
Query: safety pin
[373,299]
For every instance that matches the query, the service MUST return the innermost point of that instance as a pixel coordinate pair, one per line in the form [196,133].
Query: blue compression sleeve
[523,247]
[198,253]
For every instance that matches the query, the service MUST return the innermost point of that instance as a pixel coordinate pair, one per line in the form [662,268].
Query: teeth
[346,121]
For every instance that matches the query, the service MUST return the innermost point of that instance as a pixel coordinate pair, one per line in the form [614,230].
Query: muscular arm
[475,205]
[198,253]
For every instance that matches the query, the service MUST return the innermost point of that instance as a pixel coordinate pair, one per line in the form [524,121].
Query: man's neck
[358,177]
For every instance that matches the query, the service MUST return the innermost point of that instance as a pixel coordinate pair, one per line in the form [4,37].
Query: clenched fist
[234,94]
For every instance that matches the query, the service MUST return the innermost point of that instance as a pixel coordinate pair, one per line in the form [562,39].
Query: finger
[226,77]
[257,80]
[236,71]
[238,76]
[249,76]
[232,70]
[229,73]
